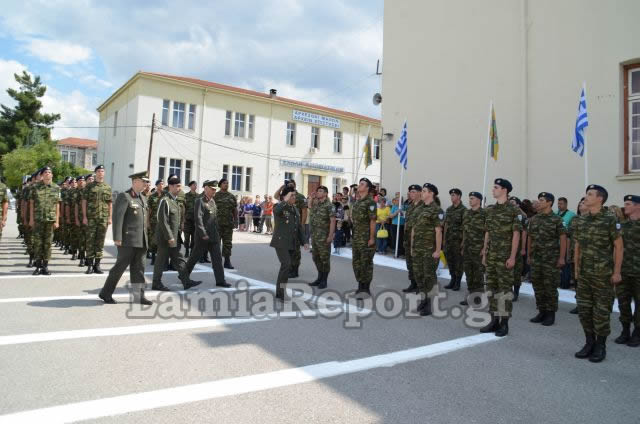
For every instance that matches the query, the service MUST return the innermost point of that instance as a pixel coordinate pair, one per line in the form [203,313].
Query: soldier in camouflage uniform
[426,244]
[453,239]
[96,208]
[322,226]
[598,261]
[189,227]
[58,235]
[629,288]
[547,245]
[154,199]
[45,213]
[301,205]
[26,214]
[415,202]
[19,222]
[363,242]
[227,217]
[473,227]
[521,257]
[501,244]
[4,205]
[76,218]
[69,227]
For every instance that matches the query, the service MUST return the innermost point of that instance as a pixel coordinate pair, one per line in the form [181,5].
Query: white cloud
[58,51]
[7,69]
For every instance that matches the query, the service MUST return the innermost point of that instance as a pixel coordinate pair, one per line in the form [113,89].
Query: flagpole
[400,205]
[486,156]
[584,136]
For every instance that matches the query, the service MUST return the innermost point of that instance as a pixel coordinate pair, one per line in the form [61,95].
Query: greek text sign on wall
[305,164]
[315,119]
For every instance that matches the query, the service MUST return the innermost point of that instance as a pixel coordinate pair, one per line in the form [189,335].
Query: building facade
[81,152]
[205,130]
[445,61]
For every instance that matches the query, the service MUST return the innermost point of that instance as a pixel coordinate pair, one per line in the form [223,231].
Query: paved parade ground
[66,356]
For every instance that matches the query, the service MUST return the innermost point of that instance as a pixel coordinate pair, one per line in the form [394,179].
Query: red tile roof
[84,143]
[263,95]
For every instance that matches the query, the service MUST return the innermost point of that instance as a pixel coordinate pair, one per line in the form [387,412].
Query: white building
[206,130]
[445,60]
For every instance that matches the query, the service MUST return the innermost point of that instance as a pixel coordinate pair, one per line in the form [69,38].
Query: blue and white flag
[582,122]
[401,146]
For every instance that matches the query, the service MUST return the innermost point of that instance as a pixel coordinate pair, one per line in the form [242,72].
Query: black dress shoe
[159,287]
[108,300]
[190,283]
[223,284]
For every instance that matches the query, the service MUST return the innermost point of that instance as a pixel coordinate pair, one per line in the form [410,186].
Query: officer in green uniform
[4,205]
[473,228]
[322,228]
[206,237]
[301,205]
[45,214]
[166,233]
[501,244]
[227,206]
[415,201]
[628,290]
[453,239]
[547,245]
[287,235]
[189,227]
[130,237]
[426,245]
[598,261]
[363,241]
[96,209]
[154,199]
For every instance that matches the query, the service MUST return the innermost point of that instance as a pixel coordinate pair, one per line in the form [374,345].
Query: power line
[100,127]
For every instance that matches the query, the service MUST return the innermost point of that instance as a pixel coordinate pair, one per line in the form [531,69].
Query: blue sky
[321,52]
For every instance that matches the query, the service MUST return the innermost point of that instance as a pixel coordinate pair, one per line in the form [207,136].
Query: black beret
[504,184]
[286,191]
[515,199]
[366,180]
[193,182]
[432,188]
[603,191]
[455,191]
[415,187]
[550,197]
[98,167]
[35,174]
[86,177]
[475,194]
[174,179]
[138,175]
[45,168]
[212,183]
[223,180]
[160,181]
[80,178]
[632,198]
[72,180]
[323,188]
[292,181]
[29,178]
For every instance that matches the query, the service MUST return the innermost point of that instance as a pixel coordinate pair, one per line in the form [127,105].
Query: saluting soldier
[363,241]
[287,235]
[501,245]
[322,226]
[45,215]
[473,228]
[227,207]
[598,261]
[130,237]
[415,201]
[4,205]
[426,244]
[453,238]
[521,257]
[301,205]
[547,245]
[206,237]
[628,290]
[189,226]
[96,209]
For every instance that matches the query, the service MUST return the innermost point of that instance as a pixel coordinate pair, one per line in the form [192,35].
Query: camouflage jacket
[154,199]
[502,221]
[410,216]
[453,222]
[574,228]
[362,212]
[596,236]
[427,219]
[226,204]
[189,207]
[301,203]
[544,231]
[631,239]
[473,226]
[320,219]
[98,196]
[45,201]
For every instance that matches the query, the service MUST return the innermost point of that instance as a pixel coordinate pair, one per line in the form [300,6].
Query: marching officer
[44,206]
[453,238]
[363,241]
[189,226]
[415,201]
[629,288]
[227,207]
[323,226]
[96,210]
[473,227]
[154,199]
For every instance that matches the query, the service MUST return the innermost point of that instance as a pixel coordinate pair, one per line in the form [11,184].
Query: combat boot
[227,263]
[153,258]
[45,268]
[96,266]
[599,350]
[452,281]
[30,264]
[586,350]
[363,291]
[426,308]
[549,319]
[413,287]
[503,329]
[625,335]
[492,326]
[456,285]
[538,318]
[516,292]
[37,270]
[635,338]
[323,281]
[316,282]
[574,311]
[89,263]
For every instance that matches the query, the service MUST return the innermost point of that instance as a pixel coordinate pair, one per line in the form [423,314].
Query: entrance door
[313,182]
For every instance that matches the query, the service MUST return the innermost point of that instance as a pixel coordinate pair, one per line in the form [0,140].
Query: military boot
[96,266]
[363,291]
[516,292]
[37,270]
[452,281]
[503,329]
[316,282]
[45,268]
[574,311]
[30,264]
[413,287]
[586,350]
[538,318]
[635,338]
[227,263]
[89,263]
[492,326]
[456,286]
[549,319]
[323,281]
[599,350]
[625,335]
[426,308]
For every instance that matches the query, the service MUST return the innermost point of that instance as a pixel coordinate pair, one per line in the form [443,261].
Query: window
[291,134]
[289,176]
[252,125]
[192,117]
[315,137]
[115,123]
[178,115]
[376,148]
[337,185]
[247,179]
[162,163]
[187,171]
[65,156]
[337,141]
[72,158]
[227,124]
[94,159]
[239,125]
[175,167]
[225,172]
[236,178]
[165,112]
[632,118]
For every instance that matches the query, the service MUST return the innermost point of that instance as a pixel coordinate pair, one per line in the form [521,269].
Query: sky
[83,50]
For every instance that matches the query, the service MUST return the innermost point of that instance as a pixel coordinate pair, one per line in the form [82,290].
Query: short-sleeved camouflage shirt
[98,196]
[45,201]
[363,211]
[473,226]
[320,218]
[427,219]
[545,231]
[631,239]
[502,221]
[596,237]
[453,222]
[226,204]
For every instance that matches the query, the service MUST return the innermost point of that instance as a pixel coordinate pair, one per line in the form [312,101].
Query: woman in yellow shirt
[382,212]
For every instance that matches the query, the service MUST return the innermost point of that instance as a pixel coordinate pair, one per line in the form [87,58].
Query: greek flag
[582,122]
[401,146]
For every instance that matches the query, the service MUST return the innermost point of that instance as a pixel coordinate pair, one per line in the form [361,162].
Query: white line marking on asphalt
[119,405]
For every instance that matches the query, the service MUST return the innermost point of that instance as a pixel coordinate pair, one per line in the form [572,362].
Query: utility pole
[153,123]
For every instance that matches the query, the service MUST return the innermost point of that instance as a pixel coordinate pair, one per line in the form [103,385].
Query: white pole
[400,210]
[486,156]
[584,134]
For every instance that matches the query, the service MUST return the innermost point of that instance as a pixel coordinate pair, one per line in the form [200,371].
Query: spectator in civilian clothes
[382,212]
[397,216]
[257,213]
[248,214]
[241,217]
[338,238]
[267,214]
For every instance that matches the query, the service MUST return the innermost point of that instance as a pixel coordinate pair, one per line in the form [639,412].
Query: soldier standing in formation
[415,200]
[473,225]
[628,290]
[69,227]
[4,205]
[96,210]
[154,199]
[189,227]
[363,242]
[426,244]
[453,239]
[130,237]
[44,207]
[501,245]
[227,208]
[26,214]
[521,256]
[323,226]
[76,217]
[547,245]
[206,237]
[301,205]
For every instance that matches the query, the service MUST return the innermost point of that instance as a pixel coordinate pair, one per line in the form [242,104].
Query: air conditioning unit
[313,150]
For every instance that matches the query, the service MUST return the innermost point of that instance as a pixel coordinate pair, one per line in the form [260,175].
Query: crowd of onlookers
[256,215]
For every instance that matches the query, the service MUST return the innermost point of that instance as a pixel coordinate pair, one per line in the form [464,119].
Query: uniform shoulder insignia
[372,207]
[618,226]
[519,217]
[440,215]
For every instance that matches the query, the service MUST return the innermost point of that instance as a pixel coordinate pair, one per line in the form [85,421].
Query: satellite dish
[377,99]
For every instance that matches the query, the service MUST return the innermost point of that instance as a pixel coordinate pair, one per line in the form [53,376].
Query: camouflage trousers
[81,238]
[151,233]
[453,253]
[362,262]
[500,284]
[296,257]
[77,237]
[628,291]
[28,239]
[545,278]
[424,270]
[321,254]
[595,302]
[408,257]
[517,270]
[474,270]
[226,235]
[42,238]
[96,231]
[68,234]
